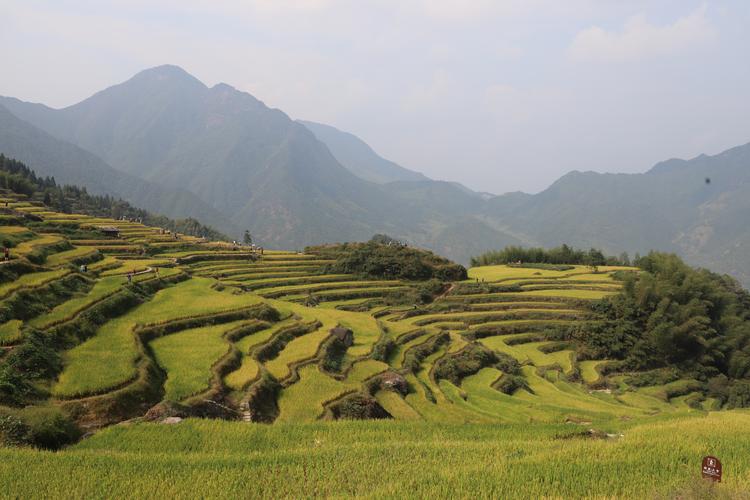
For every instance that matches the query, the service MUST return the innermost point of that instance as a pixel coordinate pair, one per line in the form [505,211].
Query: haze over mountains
[165,141]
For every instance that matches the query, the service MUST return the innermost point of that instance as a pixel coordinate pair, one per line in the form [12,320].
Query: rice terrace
[163,364]
[370,249]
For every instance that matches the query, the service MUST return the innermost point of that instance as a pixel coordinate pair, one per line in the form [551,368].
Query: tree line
[562,255]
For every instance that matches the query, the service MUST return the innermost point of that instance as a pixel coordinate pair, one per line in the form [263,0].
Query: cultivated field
[198,458]
[481,394]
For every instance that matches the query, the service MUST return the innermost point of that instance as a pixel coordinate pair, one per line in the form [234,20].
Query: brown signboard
[711,468]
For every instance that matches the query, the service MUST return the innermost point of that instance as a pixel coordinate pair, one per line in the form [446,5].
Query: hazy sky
[499,95]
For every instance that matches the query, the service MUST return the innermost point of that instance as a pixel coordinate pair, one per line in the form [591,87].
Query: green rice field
[531,418]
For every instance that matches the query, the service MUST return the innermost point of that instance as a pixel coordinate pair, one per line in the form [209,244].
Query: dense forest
[562,255]
[673,321]
[17,177]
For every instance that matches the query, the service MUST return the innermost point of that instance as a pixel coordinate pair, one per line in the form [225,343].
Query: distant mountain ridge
[300,183]
[70,164]
[696,208]
[356,155]
[253,164]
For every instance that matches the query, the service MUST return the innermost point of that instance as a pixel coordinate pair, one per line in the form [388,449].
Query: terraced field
[185,311]
[150,321]
[159,316]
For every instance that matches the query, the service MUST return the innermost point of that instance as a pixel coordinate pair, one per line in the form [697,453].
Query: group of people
[253,247]
[131,274]
[131,219]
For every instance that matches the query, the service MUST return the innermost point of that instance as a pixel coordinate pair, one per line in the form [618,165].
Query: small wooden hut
[343,334]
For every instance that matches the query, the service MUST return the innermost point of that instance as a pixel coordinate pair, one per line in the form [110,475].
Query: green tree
[247,238]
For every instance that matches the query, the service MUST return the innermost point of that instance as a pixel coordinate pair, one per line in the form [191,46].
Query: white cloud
[640,39]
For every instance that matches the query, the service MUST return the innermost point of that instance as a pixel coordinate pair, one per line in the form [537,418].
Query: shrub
[507,364]
[509,384]
[467,361]
[739,394]
[358,407]
[35,357]
[49,428]
[718,387]
[14,387]
[383,349]
[46,428]
[653,377]
[415,355]
[261,399]
[385,261]
[13,431]
[333,351]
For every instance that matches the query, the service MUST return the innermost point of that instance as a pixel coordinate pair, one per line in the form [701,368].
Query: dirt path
[447,291]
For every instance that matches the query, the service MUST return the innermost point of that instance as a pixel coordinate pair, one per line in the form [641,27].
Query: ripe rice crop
[10,332]
[67,256]
[589,372]
[70,308]
[187,357]
[501,273]
[574,293]
[136,265]
[108,359]
[31,280]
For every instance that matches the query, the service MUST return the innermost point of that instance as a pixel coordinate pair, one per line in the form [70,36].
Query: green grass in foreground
[201,458]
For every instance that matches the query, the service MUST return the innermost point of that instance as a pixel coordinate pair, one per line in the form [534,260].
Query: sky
[499,95]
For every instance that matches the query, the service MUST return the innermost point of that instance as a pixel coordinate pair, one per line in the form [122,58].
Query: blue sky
[499,95]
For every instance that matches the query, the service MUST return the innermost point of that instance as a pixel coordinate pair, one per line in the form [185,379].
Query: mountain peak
[167,73]
[223,86]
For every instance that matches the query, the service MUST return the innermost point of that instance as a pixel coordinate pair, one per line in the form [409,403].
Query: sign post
[711,468]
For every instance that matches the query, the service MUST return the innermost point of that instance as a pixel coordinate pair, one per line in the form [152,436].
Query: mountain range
[165,141]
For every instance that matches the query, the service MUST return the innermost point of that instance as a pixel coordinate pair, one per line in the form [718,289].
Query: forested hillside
[70,199]
[72,165]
